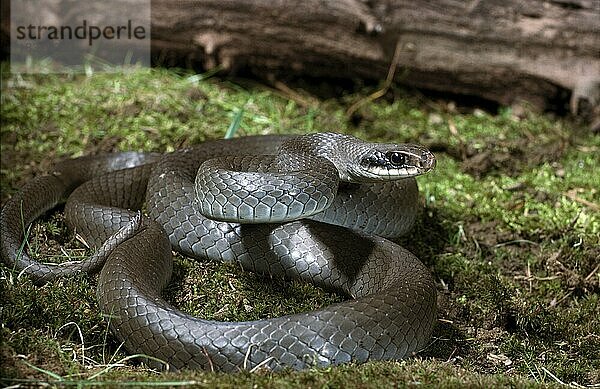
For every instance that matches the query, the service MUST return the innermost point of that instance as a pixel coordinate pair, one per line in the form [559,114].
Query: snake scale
[263,202]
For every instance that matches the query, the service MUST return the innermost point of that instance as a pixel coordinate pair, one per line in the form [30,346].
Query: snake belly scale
[262,202]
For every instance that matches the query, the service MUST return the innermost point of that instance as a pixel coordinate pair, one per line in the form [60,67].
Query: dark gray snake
[283,189]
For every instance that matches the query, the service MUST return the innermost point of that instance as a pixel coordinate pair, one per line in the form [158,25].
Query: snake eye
[396,158]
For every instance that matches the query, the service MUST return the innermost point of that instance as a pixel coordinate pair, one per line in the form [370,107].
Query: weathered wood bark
[501,50]
[507,51]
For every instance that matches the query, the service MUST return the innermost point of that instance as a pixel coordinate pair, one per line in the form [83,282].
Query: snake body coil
[262,202]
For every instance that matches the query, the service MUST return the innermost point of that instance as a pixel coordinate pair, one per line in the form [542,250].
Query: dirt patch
[488,234]
[508,157]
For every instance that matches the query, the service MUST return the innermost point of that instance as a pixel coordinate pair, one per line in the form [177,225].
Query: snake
[319,207]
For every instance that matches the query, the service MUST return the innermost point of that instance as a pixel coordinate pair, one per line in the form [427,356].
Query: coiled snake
[266,201]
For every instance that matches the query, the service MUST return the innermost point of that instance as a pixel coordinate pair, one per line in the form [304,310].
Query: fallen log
[541,52]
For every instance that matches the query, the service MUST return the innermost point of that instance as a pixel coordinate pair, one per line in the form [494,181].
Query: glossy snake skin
[268,199]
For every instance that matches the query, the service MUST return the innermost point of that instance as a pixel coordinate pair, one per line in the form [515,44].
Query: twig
[553,376]
[260,365]
[247,357]
[592,273]
[80,337]
[511,242]
[386,85]
[572,195]
[306,102]
[210,362]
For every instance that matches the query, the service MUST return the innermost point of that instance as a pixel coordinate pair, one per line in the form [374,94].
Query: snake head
[386,162]
[362,162]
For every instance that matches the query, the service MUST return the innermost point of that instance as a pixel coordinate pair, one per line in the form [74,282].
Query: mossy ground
[510,231]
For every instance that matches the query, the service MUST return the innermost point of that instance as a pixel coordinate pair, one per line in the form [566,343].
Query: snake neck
[343,151]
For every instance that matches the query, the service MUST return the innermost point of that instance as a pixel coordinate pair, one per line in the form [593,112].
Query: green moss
[510,231]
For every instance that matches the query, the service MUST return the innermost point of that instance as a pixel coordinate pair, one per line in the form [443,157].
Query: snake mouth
[428,161]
